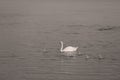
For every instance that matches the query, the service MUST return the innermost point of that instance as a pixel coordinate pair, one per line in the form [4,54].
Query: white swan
[69,51]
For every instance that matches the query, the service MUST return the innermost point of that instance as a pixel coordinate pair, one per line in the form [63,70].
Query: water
[30,31]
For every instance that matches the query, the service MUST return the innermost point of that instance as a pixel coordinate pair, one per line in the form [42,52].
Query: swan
[69,51]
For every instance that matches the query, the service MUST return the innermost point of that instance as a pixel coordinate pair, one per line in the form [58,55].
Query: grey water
[30,31]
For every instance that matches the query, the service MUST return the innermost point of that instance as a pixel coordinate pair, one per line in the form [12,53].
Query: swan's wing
[70,48]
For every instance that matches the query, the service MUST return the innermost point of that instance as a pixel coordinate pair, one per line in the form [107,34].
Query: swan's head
[61,42]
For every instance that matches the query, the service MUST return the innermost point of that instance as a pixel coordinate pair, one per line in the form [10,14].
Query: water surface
[30,31]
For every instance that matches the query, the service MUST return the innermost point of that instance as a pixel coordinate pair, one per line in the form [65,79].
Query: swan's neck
[61,49]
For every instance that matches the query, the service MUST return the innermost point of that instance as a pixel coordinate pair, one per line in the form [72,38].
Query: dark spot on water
[113,59]
[108,28]
[103,29]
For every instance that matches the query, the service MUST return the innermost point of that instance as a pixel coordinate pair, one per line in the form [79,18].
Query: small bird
[69,51]
[100,57]
[87,57]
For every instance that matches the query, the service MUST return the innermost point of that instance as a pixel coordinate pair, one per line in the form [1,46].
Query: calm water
[30,31]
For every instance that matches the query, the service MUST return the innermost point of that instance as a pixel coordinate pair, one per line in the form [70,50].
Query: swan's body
[69,51]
